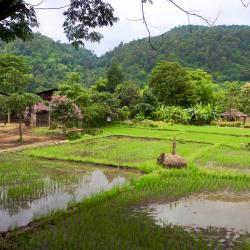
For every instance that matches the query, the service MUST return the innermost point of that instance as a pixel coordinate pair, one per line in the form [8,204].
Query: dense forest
[51,61]
[223,51]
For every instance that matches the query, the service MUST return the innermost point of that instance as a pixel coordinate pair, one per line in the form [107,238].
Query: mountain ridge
[223,51]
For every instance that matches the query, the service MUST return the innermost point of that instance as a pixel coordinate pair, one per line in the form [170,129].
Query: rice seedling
[138,153]
[228,157]
[106,220]
[205,134]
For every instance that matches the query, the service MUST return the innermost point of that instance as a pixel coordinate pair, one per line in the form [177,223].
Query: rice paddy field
[108,192]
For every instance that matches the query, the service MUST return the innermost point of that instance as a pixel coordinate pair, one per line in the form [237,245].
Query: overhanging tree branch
[17,17]
[245,4]
[146,25]
[194,13]
[187,12]
[52,8]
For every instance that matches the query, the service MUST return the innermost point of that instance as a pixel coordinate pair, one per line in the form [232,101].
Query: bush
[92,131]
[123,113]
[149,123]
[139,117]
[73,135]
[64,111]
[171,114]
[202,114]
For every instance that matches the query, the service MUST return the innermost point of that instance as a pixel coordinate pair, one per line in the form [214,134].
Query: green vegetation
[51,61]
[220,50]
[14,78]
[173,94]
[169,83]
[107,150]
[109,220]
[205,134]
[64,111]
[225,157]
[114,77]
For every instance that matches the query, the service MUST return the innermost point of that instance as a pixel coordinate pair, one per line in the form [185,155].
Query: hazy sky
[162,16]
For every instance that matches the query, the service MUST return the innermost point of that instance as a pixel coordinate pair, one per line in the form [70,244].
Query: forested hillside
[51,60]
[223,51]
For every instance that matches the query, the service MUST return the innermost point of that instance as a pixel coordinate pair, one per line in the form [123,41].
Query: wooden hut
[36,116]
[234,115]
[40,113]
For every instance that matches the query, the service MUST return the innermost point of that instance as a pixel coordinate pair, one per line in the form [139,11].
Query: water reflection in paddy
[54,190]
[223,210]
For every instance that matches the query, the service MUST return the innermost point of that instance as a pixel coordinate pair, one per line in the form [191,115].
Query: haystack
[172,160]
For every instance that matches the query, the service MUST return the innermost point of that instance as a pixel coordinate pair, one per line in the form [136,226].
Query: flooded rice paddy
[223,210]
[225,217]
[19,204]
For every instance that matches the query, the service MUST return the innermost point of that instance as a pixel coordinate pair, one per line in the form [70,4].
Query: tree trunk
[64,128]
[20,127]
[8,117]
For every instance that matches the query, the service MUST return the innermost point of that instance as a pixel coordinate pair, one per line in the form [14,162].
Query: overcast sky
[162,16]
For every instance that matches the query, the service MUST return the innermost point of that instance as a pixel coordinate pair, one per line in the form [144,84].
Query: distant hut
[234,115]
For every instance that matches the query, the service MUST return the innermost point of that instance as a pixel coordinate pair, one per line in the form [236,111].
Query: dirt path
[9,136]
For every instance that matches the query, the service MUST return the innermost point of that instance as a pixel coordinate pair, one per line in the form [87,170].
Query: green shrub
[139,117]
[171,114]
[92,131]
[202,114]
[123,113]
[73,135]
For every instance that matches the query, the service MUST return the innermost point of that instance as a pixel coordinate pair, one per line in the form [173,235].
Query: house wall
[42,119]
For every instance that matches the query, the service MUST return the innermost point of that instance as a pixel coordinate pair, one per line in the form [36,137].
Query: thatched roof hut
[234,115]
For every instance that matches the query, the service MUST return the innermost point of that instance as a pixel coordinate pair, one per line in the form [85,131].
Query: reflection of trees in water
[24,182]
[61,175]
[110,175]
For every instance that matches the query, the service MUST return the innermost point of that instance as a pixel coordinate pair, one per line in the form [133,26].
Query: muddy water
[57,193]
[223,210]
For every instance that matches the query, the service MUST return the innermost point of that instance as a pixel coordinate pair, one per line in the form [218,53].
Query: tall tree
[228,97]
[3,106]
[114,76]
[128,94]
[14,80]
[169,83]
[244,98]
[201,87]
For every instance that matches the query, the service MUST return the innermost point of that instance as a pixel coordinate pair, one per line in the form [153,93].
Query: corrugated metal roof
[41,107]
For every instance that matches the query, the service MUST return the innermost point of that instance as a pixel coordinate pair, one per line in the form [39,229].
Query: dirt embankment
[9,138]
